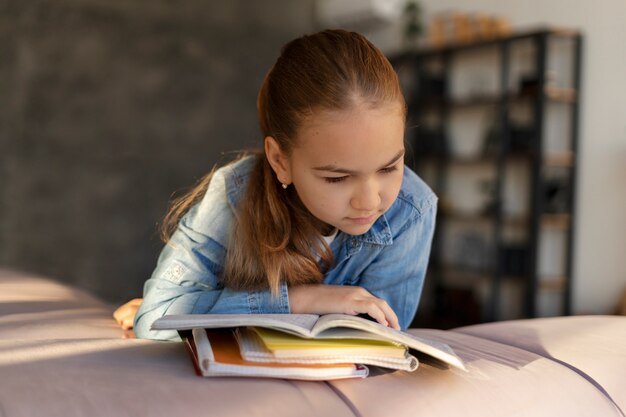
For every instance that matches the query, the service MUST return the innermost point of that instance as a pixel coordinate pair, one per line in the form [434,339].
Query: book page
[335,321]
[435,349]
[300,324]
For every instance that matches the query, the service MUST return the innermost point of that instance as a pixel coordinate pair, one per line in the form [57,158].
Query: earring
[285,186]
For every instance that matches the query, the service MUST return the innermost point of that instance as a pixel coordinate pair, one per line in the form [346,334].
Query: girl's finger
[127,323]
[390,315]
[374,311]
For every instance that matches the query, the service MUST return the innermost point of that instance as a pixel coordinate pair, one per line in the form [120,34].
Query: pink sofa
[62,354]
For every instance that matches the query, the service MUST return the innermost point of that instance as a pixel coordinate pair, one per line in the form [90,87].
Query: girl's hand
[325,299]
[125,314]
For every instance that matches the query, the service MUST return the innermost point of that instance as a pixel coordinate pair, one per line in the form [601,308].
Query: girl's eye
[332,180]
[388,169]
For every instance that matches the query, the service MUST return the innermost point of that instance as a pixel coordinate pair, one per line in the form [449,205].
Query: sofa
[62,354]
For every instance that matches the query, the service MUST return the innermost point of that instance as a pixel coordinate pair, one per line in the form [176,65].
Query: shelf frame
[539,161]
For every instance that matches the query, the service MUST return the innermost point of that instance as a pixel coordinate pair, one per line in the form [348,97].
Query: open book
[311,326]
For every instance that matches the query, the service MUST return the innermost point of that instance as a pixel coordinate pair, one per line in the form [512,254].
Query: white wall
[600,251]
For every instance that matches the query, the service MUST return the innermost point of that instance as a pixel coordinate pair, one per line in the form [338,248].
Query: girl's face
[347,166]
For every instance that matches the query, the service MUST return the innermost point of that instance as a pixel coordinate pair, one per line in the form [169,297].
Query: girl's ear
[277,160]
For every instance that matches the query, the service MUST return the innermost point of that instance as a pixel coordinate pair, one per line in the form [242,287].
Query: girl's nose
[366,198]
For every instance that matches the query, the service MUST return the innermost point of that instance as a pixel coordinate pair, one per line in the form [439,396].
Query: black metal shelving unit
[426,78]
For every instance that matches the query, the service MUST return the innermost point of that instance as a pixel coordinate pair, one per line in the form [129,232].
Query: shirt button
[354,243]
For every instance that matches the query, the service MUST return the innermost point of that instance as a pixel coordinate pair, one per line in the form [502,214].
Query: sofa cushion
[62,354]
[593,347]
[33,307]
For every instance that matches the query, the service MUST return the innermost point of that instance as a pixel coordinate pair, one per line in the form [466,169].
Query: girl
[326,219]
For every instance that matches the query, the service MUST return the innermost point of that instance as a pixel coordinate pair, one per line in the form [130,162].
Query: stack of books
[299,346]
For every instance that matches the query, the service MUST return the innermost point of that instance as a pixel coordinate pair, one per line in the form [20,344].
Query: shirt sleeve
[398,271]
[186,278]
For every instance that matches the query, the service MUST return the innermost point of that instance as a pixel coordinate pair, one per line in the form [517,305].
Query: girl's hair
[274,237]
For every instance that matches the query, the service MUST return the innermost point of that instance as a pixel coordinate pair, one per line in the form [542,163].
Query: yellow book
[284,345]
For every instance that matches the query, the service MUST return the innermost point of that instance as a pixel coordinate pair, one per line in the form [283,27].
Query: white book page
[300,324]
[203,350]
[432,348]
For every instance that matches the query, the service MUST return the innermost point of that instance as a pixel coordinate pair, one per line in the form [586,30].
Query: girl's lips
[363,220]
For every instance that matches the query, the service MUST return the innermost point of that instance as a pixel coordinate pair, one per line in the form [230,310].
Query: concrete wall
[107,108]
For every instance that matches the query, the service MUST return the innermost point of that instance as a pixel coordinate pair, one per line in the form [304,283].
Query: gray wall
[107,108]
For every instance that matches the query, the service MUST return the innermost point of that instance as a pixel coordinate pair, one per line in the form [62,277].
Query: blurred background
[108,108]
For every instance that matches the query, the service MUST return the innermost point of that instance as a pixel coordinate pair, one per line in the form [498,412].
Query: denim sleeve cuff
[263,302]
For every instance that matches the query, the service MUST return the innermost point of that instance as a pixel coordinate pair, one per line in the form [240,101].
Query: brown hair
[275,238]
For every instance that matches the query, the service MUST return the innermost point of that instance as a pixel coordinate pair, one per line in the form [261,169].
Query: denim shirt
[389,260]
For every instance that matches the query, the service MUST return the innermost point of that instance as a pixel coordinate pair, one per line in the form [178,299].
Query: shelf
[470,160]
[459,276]
[559,160]
[466,216]
[483,100]
[548,220]
[471,217]
[556,221]
[553,94]
[456,272]
[453,47]
[563,95]
[479,159]
[556,283]
[524,144]
[563,159]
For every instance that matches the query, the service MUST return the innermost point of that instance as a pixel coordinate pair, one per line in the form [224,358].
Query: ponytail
[180,205]
[274,237]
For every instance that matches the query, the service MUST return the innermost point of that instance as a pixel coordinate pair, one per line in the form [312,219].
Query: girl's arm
[125,314]
[389,288]
[186,281]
